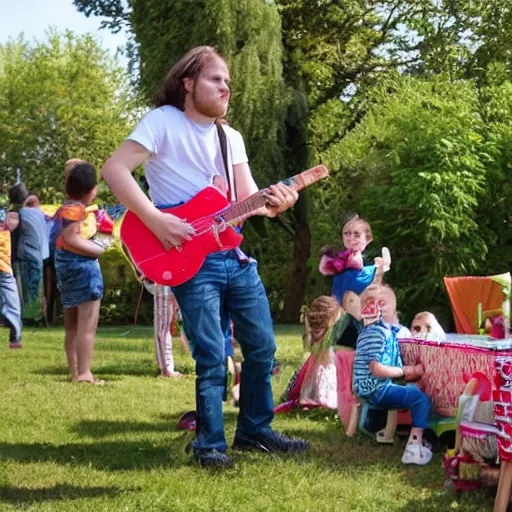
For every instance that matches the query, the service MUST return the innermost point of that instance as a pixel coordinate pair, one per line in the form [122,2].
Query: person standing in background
[31,248]
[10,308]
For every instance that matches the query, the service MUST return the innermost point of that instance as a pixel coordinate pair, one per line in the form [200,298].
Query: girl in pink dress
[315,384]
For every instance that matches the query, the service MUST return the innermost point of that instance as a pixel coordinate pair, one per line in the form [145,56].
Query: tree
[59,99]
[327,48]
[335,52]
[248,34]
[340,60]
[417,171]
[343,53]
[461,38]
[494,213]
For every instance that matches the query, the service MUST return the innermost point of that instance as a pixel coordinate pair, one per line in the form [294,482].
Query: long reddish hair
[172,92]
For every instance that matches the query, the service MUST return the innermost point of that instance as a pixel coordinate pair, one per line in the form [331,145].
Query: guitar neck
[248,207]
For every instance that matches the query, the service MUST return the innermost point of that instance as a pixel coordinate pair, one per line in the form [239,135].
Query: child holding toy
[347,265]
[378,362]
[78,272]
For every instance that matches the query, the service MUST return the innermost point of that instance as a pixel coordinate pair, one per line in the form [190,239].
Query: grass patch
[77,447]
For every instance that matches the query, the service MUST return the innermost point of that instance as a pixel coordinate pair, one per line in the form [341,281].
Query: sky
[33,17]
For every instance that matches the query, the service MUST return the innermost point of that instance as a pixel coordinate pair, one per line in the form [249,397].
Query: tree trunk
[298,158]
[298,274]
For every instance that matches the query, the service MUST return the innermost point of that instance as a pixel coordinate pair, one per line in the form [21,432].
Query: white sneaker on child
[415,453]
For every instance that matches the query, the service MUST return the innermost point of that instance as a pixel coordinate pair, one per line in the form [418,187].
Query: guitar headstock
[306,178]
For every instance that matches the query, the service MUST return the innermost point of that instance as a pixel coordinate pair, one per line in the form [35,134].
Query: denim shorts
[79,278]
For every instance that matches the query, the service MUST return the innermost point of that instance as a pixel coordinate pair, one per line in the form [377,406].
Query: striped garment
[376,342]
[164,310]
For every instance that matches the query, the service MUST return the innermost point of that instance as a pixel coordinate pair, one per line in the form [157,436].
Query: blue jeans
[224,288]
[10,307]
[404,397]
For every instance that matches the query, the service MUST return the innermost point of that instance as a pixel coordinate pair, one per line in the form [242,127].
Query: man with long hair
[178,142]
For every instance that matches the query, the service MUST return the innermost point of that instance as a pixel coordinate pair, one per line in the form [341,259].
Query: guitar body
[174,267]
[212,217]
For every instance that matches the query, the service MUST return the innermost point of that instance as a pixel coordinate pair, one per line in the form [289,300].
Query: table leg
[391,424]
[504,484]
[353,421]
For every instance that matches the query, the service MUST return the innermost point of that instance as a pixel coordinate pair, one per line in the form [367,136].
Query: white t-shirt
[185,155]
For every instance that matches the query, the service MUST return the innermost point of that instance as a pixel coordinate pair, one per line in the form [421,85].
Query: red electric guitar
[213,218]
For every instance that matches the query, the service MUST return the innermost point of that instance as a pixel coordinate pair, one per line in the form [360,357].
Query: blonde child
[347,265]
[425,326]
[78,272]
[378,361]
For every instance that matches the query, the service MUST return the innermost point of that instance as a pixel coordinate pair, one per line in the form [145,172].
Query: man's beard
[209,109]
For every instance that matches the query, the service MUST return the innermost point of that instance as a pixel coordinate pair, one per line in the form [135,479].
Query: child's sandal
[382,438]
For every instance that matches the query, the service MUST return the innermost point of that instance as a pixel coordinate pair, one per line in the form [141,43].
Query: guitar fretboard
[246,208]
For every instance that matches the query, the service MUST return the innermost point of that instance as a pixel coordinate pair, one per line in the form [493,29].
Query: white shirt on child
[185,155]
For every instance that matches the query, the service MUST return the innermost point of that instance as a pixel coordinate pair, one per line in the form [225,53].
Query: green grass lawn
[67,446]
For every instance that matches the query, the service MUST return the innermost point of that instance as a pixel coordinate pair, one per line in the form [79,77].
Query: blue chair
[384,435]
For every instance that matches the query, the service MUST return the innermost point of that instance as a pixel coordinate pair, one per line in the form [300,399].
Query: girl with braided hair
[315,384]
[320,386]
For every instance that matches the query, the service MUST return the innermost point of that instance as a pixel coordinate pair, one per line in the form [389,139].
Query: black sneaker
[213,459]
[269,441]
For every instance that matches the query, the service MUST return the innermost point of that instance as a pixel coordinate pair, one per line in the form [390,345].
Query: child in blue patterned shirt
[378,361]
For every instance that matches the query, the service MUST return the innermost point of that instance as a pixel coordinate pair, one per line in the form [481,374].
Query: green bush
[122,290]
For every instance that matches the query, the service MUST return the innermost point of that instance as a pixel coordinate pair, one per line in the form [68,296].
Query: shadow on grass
[98,428]
[105,456]
[53,370]
[139,369]
[331,448]
[127,331]
[103,428]
[102,372]
[470,501]
[61,492]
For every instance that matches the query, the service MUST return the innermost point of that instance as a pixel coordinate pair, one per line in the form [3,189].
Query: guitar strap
[242,257]
[228,168]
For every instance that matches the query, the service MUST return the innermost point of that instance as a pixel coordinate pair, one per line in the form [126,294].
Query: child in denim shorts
[78,272]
